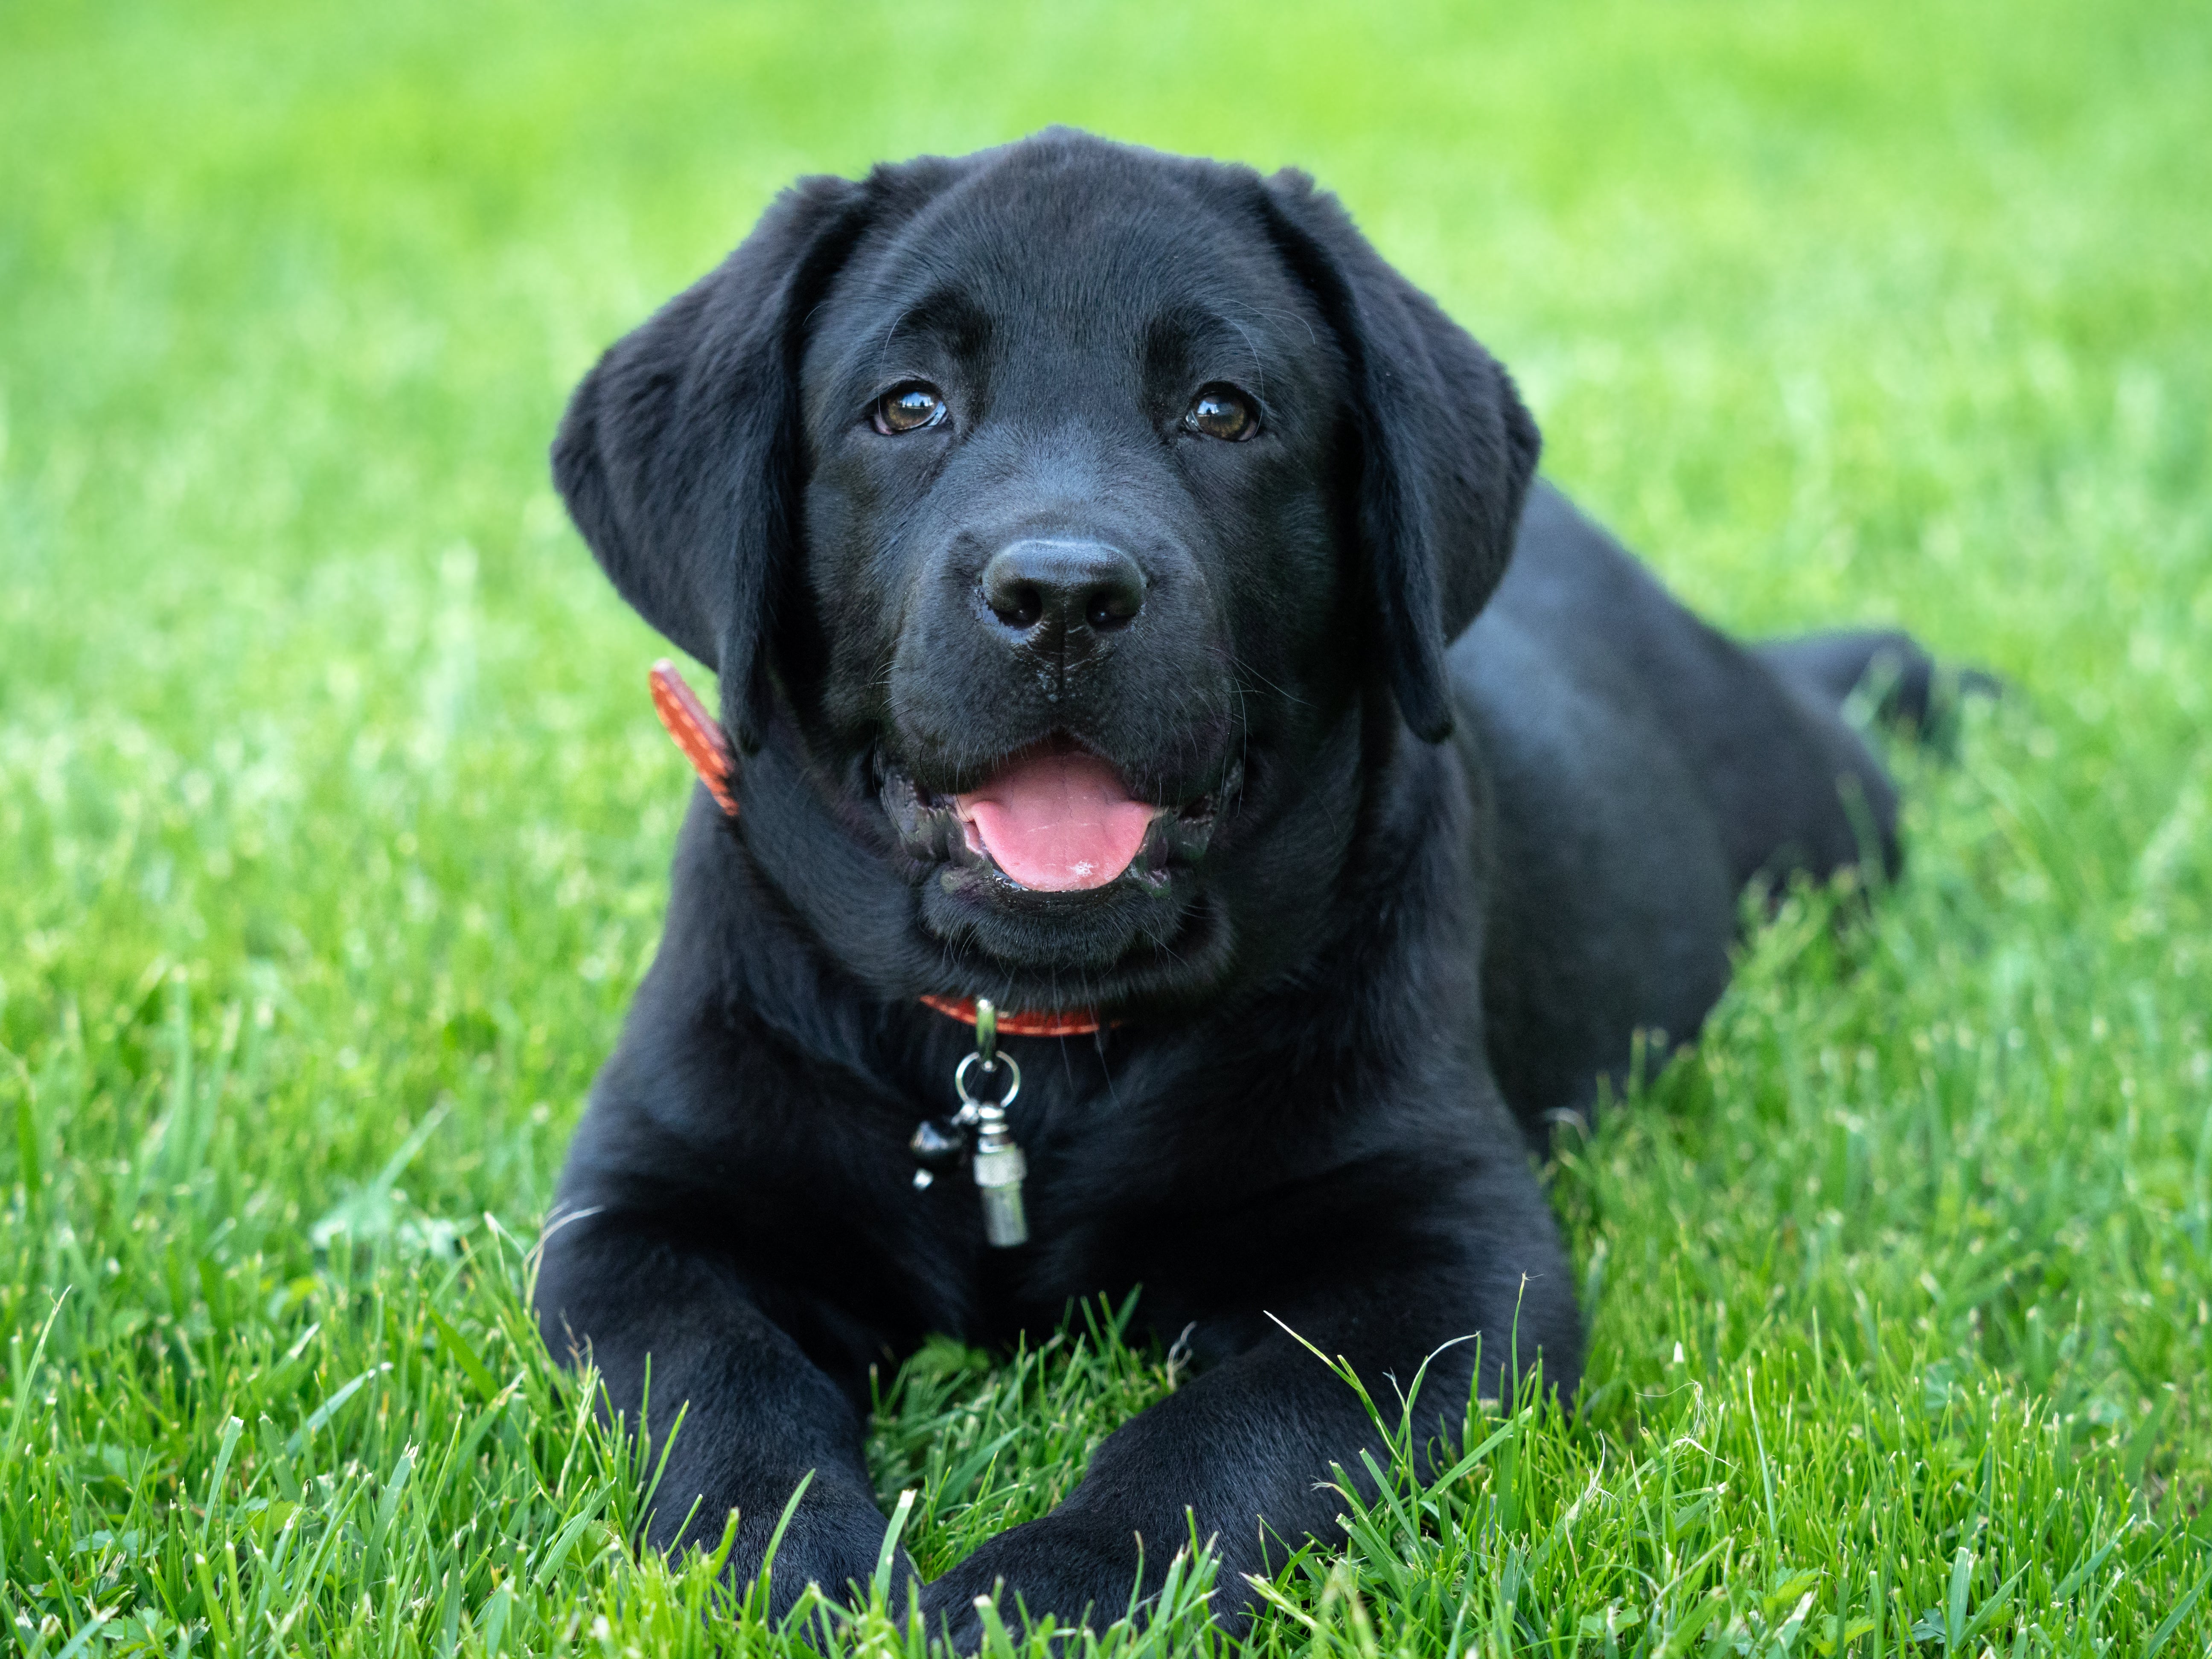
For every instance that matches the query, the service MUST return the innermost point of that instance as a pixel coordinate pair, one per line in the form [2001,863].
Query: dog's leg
[1904,686]
[758,1415]
[1244,1452]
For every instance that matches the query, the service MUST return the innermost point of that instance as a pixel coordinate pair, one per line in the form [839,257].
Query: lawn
[333,819]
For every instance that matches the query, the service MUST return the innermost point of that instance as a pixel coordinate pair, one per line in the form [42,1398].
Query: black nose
[1052,593]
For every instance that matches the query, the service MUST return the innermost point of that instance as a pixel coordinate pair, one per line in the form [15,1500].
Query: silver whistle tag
[998,1164]
[998,1175]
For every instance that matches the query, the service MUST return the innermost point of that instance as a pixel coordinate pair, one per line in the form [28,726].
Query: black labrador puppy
[1131,602]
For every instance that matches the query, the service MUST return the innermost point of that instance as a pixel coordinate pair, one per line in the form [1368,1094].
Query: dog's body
[1070,468]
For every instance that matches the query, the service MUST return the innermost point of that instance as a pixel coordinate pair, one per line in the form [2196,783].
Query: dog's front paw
[1061,1569]
[832,1542]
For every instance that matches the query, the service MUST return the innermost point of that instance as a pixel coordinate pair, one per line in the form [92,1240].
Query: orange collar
[699,735]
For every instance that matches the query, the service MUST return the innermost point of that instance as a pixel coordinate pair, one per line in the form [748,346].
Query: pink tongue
[1059,821]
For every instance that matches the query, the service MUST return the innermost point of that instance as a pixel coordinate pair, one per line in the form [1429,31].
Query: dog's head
[1051,515]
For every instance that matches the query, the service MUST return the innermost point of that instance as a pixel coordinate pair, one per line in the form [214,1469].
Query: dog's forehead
[1098,249]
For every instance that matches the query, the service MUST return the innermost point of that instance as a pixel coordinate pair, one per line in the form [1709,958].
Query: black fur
[1458,829]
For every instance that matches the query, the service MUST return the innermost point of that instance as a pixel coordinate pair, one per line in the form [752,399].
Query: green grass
[333,821]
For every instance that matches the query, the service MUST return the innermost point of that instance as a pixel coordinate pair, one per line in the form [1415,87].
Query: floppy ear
[679,454]
[1446,446]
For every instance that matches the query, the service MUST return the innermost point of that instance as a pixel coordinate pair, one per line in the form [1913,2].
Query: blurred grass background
[333,821]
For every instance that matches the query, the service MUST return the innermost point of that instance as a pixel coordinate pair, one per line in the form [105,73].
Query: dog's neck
[706,745]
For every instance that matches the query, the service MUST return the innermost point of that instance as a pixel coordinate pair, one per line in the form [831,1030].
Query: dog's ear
[1446,448]
[679,456]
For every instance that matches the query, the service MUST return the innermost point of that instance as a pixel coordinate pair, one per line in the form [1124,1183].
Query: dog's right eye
[1224,412]
[909,408]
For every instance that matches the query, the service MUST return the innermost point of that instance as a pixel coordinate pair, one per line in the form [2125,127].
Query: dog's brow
[944,309]
[1185,329]
[949,314]
[1299,318]
[890,333]
[1259,367]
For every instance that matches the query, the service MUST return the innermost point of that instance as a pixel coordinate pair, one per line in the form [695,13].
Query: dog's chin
[1077,944]
[1136,935]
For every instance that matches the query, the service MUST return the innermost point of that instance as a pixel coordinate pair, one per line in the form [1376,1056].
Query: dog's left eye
[909,408]
[1221,411]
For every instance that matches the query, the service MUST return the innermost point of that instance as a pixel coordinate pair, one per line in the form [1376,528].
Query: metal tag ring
[969,1061]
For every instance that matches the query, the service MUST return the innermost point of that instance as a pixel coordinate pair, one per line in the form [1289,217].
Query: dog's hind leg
[1898,676]
[1902,684]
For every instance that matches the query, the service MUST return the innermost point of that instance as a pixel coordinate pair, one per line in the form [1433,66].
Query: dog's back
[1648,767]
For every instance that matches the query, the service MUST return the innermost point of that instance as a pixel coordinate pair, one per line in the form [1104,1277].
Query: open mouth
[1051,818]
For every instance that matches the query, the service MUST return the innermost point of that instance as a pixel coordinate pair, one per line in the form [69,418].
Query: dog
[1134,608]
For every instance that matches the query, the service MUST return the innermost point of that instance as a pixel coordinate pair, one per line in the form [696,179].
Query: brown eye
[1221,411]
[909,408]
